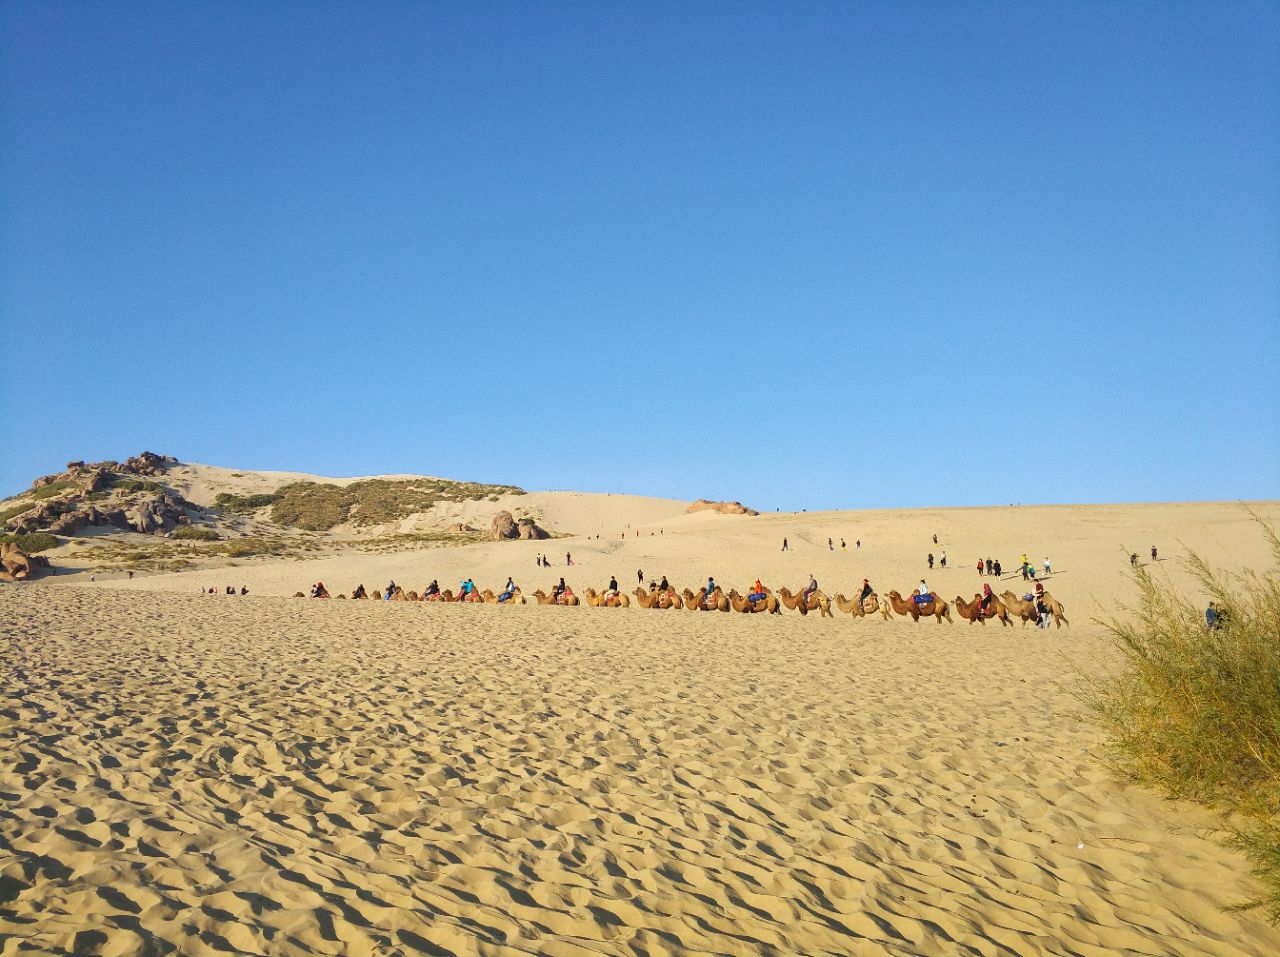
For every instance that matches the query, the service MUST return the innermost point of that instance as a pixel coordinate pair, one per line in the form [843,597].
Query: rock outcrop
[459,528]
[530,531]
[724,508]
[17,565]
[503,526]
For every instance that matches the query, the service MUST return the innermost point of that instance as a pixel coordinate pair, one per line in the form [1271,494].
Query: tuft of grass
[245,503]
[195,533]
[32,543]
[13,511]
[1195,711]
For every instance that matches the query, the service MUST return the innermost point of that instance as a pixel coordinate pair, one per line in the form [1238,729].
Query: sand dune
[272,776]
[267,775]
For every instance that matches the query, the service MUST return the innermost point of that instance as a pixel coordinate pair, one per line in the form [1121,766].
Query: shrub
[196,533]
[316,507]
[52,489]
[32,543]
[1195,711]
[245,503]
[13,511]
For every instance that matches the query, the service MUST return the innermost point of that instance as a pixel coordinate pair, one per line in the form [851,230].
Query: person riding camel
[987,596]
[432,589]
[507,590]
[663,585]
[613,587]
[865,593]
[559,591]
[757,591]
[711,586]
[359,592]
[923,594]
[812,587]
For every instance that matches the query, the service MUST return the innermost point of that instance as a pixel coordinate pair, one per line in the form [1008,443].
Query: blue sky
[802,255]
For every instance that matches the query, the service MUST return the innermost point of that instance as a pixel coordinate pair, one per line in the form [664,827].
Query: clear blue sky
[804,255]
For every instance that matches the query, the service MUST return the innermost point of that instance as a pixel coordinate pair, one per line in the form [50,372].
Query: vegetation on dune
[32,543]
[13,511]
[317,507]
[197,533]
[52,490]
[245,503]
[1195,710]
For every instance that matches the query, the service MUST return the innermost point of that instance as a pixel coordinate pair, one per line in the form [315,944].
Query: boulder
[503,526]
[724,508]
[530,531]
[17,565]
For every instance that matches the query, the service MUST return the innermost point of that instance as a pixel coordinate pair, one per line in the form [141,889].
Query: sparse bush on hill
[1195,710]
[52,490]
[245,503]
[13,511]
[35,542]
[316,507]
[196,533]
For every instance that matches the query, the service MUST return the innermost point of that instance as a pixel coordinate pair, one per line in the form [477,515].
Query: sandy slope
[267,775]
[273,776]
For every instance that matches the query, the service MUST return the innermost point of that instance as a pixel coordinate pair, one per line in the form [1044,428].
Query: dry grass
[1195,711]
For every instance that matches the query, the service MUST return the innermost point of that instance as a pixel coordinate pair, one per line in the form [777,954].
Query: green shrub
[197,533]
[1195,711]
[32,543]
[52,489]
[245,503]
[13,511]
[317,507]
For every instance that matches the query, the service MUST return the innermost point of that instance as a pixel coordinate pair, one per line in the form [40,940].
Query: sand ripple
[269,776]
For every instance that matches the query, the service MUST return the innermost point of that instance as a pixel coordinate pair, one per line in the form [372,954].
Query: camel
[568,598]
[401,595]
[489,598]
[445,595]
[598,600]
[716,601]
[658,599]
[1055,609]
[864,609]
[817,600]
[1026,610]
[768,604]
[970,611]
[909,608]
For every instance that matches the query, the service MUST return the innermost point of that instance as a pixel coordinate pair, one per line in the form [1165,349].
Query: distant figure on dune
[935,538]
[830,546]
[996,566]
[942,561]
[784,544]
[843,546]
[568,559]
[1048,569]
[1153,553]
[639,576]
[979,567]
[988,566]
[858,544]
[931,561]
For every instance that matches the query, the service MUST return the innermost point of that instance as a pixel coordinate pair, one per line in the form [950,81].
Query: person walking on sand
[830,547]
[1153,553]
[568,558]
[784,544]
[639,576]
[935,538]
[931,561]
[858,544]
[1048,569]
[942,562]
[979,567]
[988,566]
[843,546]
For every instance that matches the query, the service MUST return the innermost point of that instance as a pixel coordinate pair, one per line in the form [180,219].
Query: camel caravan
[1040,608]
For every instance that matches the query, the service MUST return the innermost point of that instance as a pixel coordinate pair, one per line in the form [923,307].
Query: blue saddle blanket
[922,599]
[505,596]
[756,596]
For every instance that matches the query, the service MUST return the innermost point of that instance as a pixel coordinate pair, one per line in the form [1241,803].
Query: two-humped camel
[972,611]
[605,600]
[568,598]
[914,610]
[815,601]
[768,604]
[865,609]
[716,601]
[1027,610]
[657,599]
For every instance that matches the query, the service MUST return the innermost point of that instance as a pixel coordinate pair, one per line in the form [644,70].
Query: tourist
[931,561]
[639,576]
[865,593]
[1047,568]
[942,561]
[1153,553]
[979,567]
[784,544]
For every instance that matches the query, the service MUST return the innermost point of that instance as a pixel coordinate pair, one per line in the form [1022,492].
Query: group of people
[227,589]
[992,566]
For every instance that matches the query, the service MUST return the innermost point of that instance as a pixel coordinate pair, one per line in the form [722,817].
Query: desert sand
[269,775]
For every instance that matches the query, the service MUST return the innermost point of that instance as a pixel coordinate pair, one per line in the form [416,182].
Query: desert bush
[52,489]
[245,503]
[32,543]
[1195,710]
[196,533]
[317,507]
[13,511]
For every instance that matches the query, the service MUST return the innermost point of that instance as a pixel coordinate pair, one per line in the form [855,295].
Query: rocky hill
[144,495]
